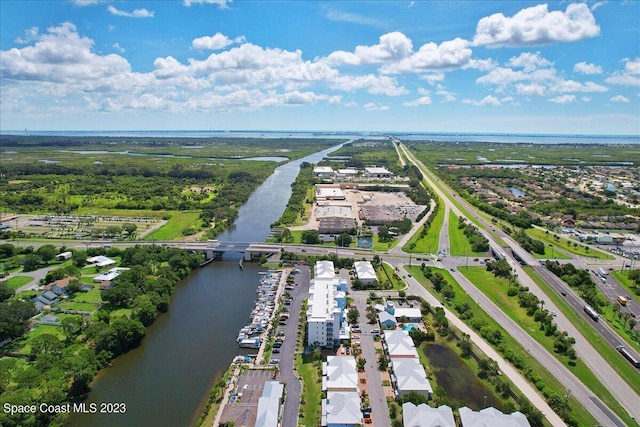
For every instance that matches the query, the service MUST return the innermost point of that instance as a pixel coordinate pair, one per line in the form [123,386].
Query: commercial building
[329,192]
[269,404]
[327,301]
[323,172]
[377,172]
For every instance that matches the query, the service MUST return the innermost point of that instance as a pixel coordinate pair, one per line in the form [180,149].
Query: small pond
[458,380]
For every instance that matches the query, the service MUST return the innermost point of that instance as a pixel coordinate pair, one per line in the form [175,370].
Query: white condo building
[327,300]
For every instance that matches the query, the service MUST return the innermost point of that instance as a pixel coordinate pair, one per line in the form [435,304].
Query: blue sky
[429,66]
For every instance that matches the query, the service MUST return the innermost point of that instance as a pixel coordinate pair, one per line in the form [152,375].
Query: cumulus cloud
[137,13]
[222,4]
[425,99]
[215,42]
[564,99]
[537,26]
[433,77]
[632,66]
[586,68]
[87,2]
[30,35]
[529,61]
[445,94]
[119,48]
[447,55]
[372,106]
[487,100]
[391,47]
[619,98]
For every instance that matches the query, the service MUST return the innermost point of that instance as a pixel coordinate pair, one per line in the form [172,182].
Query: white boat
[250,343]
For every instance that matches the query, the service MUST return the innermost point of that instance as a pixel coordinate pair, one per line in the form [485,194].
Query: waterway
[166,380]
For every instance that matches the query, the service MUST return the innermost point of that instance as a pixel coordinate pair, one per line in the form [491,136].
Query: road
[614,383]
[288,351]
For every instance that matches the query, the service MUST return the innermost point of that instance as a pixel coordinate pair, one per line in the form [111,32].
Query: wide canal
[166,380]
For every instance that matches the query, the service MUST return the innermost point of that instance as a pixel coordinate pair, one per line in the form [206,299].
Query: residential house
[365,272]
[491,417]
[425,416]
[269,404]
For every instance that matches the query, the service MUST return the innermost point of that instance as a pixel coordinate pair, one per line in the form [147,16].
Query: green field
[431,241]
[311,390]
[174,227]
[496,290]
[564,245]
[459,243]
[17,281]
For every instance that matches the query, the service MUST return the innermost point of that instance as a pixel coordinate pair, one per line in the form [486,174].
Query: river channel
[165,381]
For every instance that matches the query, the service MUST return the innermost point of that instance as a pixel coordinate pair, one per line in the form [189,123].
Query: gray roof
[491,417]
[425,416]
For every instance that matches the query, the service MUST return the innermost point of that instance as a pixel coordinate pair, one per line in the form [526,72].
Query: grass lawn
[25,342]
[431,241]
[388,272]
[311,390]
[496,290]
[179,221]
[92,296]
[547,381]
[458,242]
[563,244]
[18,281]
[623,277]
[383,246]
[79,306]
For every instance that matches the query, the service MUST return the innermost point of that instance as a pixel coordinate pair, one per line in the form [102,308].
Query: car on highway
[563,293]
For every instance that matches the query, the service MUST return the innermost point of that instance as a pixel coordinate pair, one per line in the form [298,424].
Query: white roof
[409,312]
[324,270]
[399,344]
[322,191]
[343,408]
[410,375]
[109,275]
[425,416]
[364,270]
[347,171]
[383,316]
[273,389]
[333,211]
[267,412]
[100,261]
[491,417]
[376,170]
[341,373]
[322,169]
[322,299]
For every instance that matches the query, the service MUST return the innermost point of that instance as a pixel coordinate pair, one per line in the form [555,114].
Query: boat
[250,343]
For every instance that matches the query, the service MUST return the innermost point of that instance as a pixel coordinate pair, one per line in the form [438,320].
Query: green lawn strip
[431,241]
[311,390]
[459,243]
[567,245]
[178,222]
[387,272]
[91,296]
[547,381]
[622,276]
[24,344]
[79,306]
[17,281]
[496,290]
[383,246]
[132,213]
[624,369]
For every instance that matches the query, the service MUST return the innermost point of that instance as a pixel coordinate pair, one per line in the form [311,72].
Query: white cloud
[632,66]
[87,2]
[377,85]
[433,77]
[446,95]
[537,26]
[137,13]
[119,48]
[597,5]
[341,16]
[487,100]
[30,35]
[222,4]
[623,79]
[586,99]
[564,99]
[425,99]
[586,68]
[372,106]
[574,86]
[391,47]
[447,55]
[215,42]
[530,89]
[529,61]
[619,98]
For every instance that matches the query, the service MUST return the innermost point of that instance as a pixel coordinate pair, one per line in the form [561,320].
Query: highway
[609,377]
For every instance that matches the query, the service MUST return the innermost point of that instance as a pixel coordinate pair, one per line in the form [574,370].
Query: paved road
[287,354]
[616,385]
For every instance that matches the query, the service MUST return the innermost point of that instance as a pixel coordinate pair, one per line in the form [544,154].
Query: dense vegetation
[299,187]
[578,279]
[479,243]
[58,368]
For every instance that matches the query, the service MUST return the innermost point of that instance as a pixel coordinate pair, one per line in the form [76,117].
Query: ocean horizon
[497,137]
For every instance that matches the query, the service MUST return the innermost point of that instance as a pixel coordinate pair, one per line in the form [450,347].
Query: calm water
[165,381]
[458,380]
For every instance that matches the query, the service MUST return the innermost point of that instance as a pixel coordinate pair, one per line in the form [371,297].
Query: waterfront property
[407,373]
[269,404]
[326,323]
[425,416]
[491,417]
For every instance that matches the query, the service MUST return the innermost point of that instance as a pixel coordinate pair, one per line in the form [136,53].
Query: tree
[383,362]
[47,252]
[45,344]
[343,239]
[130,229]
[79,258]
[31,262]
[73,287]
[14,316]
[353,315]
[361,363]
[5,292]
[310,237]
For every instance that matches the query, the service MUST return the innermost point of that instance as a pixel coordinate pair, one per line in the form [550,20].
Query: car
[303,250]
[563,293]
[452,269]
[275,350]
